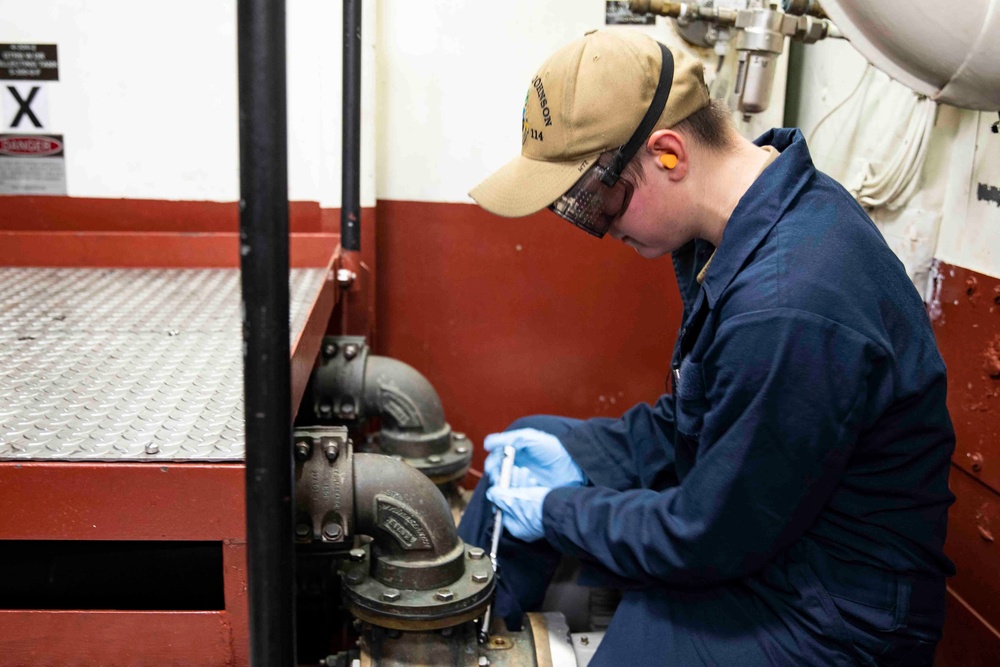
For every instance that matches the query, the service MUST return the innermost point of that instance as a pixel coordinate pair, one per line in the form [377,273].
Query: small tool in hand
[506,470]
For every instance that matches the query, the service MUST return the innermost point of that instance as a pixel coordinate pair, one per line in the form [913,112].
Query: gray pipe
[415,545]
[351,386]
[412,417]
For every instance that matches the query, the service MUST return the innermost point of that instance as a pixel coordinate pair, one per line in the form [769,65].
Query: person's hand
[522,510]
[539,452]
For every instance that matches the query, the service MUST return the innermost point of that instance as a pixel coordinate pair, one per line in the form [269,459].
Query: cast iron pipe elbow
[414,542]
[412,417]
[351,386]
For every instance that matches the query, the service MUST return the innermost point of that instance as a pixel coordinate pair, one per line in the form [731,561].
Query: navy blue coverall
[786,503]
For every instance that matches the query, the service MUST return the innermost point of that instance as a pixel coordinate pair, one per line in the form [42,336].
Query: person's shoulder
[825,256]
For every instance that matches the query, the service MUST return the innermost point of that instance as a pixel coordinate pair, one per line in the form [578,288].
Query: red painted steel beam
[121,501]
[116,638]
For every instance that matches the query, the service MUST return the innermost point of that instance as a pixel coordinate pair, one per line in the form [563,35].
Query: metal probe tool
[506,470]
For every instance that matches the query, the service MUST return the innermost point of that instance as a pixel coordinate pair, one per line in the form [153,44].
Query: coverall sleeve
[785,393]
[635,451]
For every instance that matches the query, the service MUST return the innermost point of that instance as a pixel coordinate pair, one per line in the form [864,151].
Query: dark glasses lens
[592,205]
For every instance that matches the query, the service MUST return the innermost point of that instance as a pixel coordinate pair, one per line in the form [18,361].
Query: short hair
[711,126]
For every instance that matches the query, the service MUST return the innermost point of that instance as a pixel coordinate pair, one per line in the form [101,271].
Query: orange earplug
[668,160]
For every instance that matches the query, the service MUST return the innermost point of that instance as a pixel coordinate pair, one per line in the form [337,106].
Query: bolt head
[484,661]
[355,577]
[390,595]
[444,595]
[347,408]
[356,555]
[330,350]
[480,577]
[332,531]
[303,531]
[462,450]
[476,553]
[351,350]
[325,409]
[345,277]
[434,458]
[459,436]
[152,448]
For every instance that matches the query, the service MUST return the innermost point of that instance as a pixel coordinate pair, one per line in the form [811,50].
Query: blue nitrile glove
[522,510]
[522,477]
[540,452]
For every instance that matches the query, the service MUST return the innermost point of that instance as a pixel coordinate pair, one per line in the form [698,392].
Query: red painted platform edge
[148,250]
[122,501]
[85,638]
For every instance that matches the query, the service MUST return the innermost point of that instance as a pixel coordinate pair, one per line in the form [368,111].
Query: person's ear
[670,151]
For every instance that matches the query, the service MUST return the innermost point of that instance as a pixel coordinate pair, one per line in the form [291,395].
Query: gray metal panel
[126,364]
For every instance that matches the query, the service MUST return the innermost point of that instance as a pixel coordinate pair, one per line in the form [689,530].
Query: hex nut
[444,595]
[390,595]
[356,555]
[462,450]
[330,350]
[459,436]
[303,530]
[484,661]
[350,351]
[476,553]
[480,577]
[355,577]
[434,458]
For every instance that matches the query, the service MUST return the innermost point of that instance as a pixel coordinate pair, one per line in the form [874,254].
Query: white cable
[895,183]
[864,75]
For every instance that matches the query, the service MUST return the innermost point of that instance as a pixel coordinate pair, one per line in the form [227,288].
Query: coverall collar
[760,208]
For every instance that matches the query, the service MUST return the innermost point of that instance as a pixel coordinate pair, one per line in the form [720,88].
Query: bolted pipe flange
[413,610]
[339,379]
[439,455]
[324,486]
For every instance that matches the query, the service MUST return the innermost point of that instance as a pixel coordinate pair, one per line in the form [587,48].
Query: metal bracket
[324,486]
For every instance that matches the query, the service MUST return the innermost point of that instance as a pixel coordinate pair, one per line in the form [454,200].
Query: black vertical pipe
[267,376]
[350,166]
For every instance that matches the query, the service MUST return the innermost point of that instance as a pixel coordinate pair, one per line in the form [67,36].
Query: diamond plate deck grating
[126,364]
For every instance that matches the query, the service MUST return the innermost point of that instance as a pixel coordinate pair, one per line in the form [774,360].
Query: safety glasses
[593,205]
[600,196]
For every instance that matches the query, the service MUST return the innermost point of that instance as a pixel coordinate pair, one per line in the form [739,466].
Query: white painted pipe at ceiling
[947,51]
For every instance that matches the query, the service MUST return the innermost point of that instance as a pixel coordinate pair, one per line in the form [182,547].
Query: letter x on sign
[24,110]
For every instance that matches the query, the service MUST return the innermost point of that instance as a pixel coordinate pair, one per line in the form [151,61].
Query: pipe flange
[444,465]
[411,610]
[324,486]
[338,385]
